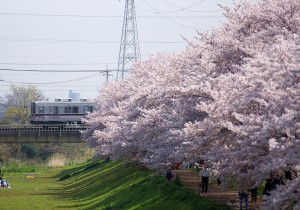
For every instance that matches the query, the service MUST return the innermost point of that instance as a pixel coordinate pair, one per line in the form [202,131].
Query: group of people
[245,185]
[4,183]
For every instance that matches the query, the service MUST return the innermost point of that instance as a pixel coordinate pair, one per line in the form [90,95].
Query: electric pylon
[129,47]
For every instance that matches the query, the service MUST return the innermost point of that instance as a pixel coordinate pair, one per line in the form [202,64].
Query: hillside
[99,185]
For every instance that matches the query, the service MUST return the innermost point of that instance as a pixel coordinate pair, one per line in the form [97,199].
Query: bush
[46,154]
[30,150]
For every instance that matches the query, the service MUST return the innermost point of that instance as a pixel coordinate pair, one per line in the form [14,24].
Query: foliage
[17,103]
[10,153]
[231,98]
[30,150]
[41,154]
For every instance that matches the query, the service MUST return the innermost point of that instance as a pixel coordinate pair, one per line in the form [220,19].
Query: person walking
[204,175]
[243,186]
[253,196]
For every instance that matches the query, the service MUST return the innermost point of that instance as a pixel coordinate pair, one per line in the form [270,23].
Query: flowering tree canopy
[231,98]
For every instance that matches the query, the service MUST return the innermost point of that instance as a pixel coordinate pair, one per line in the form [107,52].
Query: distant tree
[17,103]
[2,110]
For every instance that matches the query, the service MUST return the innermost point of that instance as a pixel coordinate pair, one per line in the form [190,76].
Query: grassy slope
[99,185]
[28,193]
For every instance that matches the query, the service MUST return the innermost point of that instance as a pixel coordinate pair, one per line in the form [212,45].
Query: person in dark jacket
[169,175]
[253,191]
[269,186]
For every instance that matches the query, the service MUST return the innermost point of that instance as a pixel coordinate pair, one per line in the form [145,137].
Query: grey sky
[85,35]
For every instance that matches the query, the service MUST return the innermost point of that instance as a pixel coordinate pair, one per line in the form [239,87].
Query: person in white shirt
[204,175]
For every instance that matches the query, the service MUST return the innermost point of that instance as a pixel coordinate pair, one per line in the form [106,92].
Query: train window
[68,109]
[88,109]
[41,110]
[53,110]
[75,109]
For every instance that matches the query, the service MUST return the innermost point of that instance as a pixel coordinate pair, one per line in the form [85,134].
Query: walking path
[191,180]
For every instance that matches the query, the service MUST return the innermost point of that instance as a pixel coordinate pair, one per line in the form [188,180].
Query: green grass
[28,193]
[18,169]
[98,185]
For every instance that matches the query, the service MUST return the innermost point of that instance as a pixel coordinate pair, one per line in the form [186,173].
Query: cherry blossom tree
[139,115]
[254,112]
[231,98]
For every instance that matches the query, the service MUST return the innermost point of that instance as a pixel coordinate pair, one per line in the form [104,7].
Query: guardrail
[46,127]
[41,133]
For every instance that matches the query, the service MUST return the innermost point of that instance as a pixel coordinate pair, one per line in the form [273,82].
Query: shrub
[30,150]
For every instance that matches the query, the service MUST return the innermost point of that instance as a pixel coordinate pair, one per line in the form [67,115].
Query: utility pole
[106,74]
[129,47]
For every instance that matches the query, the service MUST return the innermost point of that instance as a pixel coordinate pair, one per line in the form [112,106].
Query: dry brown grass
[57,159]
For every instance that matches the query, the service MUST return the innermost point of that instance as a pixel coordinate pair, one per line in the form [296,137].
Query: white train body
[60,111]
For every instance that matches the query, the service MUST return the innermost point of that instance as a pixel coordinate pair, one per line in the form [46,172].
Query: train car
[60,111]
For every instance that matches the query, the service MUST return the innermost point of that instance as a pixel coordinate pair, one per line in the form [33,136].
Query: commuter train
[60,111]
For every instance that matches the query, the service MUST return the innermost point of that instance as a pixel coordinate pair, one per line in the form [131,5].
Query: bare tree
[17,103]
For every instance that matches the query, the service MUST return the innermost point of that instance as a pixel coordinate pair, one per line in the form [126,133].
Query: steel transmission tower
[129,47]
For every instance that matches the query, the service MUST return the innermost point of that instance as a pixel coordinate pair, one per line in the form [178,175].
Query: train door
[61,116]
[41,113]
[53,113]
[32,107]
[33,112]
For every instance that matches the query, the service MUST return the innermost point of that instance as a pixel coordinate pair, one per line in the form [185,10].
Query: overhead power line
[52,64]
[60,90]
[180,16]
[48,83]
[82,41]
[61,86]
[181,9]
[109,16]
[61,71]
[61,15]
[170,19]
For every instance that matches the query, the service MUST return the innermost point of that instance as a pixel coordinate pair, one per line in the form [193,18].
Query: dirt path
[226,196]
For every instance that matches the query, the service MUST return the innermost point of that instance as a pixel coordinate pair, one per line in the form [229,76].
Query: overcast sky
[75,35]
